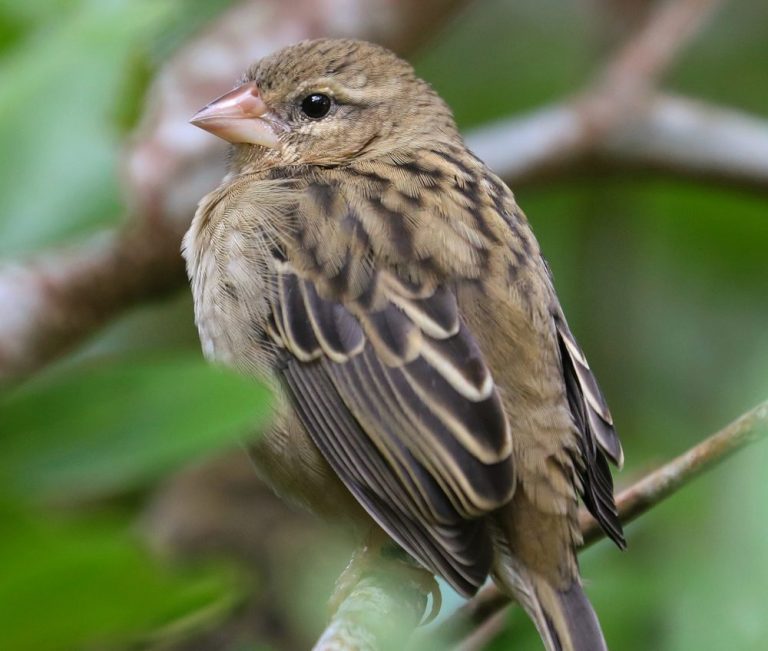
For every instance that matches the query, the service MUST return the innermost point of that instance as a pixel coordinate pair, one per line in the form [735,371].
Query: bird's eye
[316,105]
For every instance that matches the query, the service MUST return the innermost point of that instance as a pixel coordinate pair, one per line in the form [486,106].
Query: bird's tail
[565,619]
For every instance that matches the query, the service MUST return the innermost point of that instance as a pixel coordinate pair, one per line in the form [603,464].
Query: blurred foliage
[75,582]
[144,419]
[78,436]
[73,73]
[663,281]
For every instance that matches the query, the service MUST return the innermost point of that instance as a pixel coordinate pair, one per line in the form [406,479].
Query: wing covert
[396,395]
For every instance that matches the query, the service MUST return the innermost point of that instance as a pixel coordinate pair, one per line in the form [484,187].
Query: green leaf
[114,426]
[61,85]
[70,584]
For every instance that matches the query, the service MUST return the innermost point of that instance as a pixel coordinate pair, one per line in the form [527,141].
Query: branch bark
[694,139]
[55,299]
[670,135]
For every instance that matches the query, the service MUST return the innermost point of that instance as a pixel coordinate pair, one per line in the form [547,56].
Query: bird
[383,281]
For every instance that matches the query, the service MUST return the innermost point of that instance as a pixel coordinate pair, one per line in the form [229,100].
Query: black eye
[316,105]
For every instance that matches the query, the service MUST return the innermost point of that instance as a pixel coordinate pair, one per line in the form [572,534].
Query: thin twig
[631,503]
[628,80]
[649,53]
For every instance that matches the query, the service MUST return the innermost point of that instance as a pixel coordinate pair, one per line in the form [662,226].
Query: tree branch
[694,139]
[556,136]
[671,134]
[55,299]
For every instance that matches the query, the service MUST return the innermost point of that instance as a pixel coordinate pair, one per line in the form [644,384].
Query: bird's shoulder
[432,215]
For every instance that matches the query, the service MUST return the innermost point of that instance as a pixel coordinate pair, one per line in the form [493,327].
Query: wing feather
[400,402]
[458,549]
[339,334]
[600,419]
[598,437]
[294,318]
[436,315]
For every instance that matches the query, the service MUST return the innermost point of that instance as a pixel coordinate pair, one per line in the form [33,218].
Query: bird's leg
[363,560]
[379,554]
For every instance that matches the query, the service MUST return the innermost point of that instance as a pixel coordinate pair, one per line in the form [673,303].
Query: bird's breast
[230,251]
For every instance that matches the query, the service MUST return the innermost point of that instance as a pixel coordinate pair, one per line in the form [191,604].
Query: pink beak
[238,117]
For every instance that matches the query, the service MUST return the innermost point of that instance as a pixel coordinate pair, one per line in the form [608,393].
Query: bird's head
[327,102]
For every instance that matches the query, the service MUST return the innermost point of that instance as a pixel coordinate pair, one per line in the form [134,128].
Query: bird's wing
[598,436]
[392,388]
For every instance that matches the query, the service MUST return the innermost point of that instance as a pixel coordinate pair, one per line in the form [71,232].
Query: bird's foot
[358,566]
[377,557]
[425,583]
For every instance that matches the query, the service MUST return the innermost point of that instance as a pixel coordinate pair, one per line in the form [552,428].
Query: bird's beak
[239,117]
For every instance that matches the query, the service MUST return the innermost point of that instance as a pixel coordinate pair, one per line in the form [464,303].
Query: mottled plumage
[386,279]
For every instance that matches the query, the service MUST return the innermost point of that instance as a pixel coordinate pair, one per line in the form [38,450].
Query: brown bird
[361,256]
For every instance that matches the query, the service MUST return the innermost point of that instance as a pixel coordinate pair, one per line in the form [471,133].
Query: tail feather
[569,618]
[565,619]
